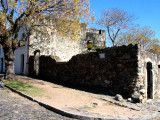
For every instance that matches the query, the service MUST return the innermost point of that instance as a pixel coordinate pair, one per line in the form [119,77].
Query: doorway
[36,61]
[1,65]
[149,81]
[22,64]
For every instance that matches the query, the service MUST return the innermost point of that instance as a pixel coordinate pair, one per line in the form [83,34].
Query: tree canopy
[66,16]
[14,13]
[142,35]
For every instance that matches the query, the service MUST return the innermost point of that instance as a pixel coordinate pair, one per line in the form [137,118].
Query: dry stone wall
[127,70]
[116,73]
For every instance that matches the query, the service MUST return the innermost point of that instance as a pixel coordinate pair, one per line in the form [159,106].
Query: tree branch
[4,9]
[116,33]
[17,21]
[110,35]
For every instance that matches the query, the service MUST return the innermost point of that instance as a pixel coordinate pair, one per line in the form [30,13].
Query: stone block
[118,97]
[143,91]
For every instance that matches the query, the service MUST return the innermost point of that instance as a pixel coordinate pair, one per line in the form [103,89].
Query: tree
[155,49]
[115,20]
[141,35]
[28,13]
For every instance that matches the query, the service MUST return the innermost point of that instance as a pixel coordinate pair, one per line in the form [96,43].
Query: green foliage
[85,52]
[97,47]
[55,57]
[155,49]
[24,87]
[93,48]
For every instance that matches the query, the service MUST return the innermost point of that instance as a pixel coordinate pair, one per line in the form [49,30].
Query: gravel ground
[14,107]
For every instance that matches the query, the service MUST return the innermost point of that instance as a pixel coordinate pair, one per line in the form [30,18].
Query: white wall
[18,55]
[18,60]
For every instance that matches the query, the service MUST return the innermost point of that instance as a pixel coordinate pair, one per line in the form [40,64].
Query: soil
[77,101]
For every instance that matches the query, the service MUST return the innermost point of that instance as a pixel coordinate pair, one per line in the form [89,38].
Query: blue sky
[147,12]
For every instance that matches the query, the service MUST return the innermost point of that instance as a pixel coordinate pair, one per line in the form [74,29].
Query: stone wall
[128,70]
[145,57]
[63,47]
[116,73]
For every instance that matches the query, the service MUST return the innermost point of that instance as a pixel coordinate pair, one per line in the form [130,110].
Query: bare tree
[115,20]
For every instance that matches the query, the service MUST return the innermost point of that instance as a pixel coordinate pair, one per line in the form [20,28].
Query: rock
[143,91]
[118,97]
[140,98]
[129,100]
[1,84]
[135,97]
[95,104]
[107,82]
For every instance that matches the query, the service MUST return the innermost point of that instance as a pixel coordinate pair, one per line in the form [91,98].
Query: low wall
[117,72]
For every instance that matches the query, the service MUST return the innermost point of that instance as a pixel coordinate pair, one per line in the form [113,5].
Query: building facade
[56,46]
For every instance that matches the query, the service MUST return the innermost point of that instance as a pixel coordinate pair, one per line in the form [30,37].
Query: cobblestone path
[19,108]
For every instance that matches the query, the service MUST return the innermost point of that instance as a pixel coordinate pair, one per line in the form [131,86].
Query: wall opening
[22,64]
[1,65]
[149,81]
[158,80]
[36,61]
[100,31]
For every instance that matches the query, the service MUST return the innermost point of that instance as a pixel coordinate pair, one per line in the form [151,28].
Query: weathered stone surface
[118,97]
[90,71]
[63,48]
[135,97]
[129,100]
[142,91]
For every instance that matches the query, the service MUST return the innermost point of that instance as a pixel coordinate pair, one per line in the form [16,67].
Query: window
[100,31]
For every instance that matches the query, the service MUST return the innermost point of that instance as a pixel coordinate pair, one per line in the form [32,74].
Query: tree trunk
[113,43]
[9,64]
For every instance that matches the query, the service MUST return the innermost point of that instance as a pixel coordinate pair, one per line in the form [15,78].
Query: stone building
[60,48]
[148,81]
[127,70]
[63,48]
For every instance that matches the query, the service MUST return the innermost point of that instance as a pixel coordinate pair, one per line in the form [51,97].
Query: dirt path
[78,101]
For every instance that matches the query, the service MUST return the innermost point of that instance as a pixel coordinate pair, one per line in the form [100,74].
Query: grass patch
[24,87]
